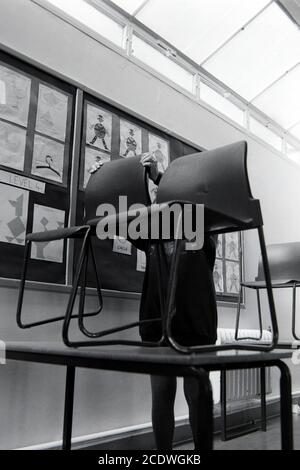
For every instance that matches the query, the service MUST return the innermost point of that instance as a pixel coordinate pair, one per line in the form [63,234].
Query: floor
[269,440]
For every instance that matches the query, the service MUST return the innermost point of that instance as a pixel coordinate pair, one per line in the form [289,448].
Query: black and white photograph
[149,231]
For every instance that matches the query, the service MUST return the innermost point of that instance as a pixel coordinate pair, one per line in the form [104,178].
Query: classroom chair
[284,262]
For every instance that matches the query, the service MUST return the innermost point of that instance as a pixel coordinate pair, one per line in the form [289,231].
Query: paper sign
[22,182]
[121,245]
[141,261]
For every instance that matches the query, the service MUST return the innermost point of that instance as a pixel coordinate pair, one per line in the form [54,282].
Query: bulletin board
[36,130]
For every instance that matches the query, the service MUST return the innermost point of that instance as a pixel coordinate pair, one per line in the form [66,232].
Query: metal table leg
[68,413]
[286,416]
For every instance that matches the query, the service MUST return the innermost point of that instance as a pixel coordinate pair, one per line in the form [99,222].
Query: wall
[33,394]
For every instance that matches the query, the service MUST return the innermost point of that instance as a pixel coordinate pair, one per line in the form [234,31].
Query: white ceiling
[252,46]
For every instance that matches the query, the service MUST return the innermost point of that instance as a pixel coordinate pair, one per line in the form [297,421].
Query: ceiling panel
[296,131]
[267,48]
[198,27]
[282,100]
[129,5]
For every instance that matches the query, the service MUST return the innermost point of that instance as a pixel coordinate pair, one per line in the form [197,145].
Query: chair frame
[288,285]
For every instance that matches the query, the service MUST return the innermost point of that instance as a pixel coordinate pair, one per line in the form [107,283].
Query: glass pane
[296,130]
[293,153]
[265,134]
[217,101]
[91,17]
[282,101]
[161,63]
[198,27]
[258,55]
[129,5]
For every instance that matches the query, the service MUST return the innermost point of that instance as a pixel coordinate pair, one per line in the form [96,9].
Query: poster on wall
[45,219]
[161,150]
[52,112]
[91,157]
[122,246]
[141,261]
[12,146]
[48,159]
[232,246]
[13,214]
[98,128]
[14,96]
[219,247]
[218,276]
[232,277]
[130,139]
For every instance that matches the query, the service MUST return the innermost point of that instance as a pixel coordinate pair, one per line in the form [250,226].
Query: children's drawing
[91,157]
[232,246]
[232,277]
[130,139]
[218,276]
[14,96]
[48,159]
[160,148]
[52,112]
[12,146]
[45,219]
[13,214]
[98,128]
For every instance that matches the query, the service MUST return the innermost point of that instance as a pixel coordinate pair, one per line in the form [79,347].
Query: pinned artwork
[219,247]
[232,246]
[12,146]
[152,190]
[122,246]
[218,276]
[98,128]
[130,139]
[48,159]
[14,96]
[13,214]
[91,157]
[45,219]
[232,277]
[141,261]
[52,112]
[160,148]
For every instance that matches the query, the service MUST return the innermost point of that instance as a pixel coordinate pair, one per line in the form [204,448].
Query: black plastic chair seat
[58,234]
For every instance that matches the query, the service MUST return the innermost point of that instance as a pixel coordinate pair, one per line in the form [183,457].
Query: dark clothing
[195,321]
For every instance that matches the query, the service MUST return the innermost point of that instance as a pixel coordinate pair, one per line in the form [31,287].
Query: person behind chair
[195,323]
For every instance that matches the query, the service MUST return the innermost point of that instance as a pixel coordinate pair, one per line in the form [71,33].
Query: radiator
[244,384]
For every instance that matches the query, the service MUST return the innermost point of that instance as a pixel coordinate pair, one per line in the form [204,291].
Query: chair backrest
[284,262]
[122,177]
[219,180]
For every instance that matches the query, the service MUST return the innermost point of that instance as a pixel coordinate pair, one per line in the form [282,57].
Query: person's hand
[98,164]
[149,161]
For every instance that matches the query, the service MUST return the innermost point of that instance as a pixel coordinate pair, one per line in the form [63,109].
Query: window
[195,27]
[259,54]
[282,100]
[264,133]
[162,64]
[92,18]
[130,6]
[2,92]
[222,104]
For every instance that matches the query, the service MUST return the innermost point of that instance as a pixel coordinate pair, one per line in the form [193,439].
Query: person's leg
[163,398]
[198,405]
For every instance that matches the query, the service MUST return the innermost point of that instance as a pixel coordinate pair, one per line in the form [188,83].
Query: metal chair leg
[223,403]
[236,336]
[263,403]
[223,347]
[294,313]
